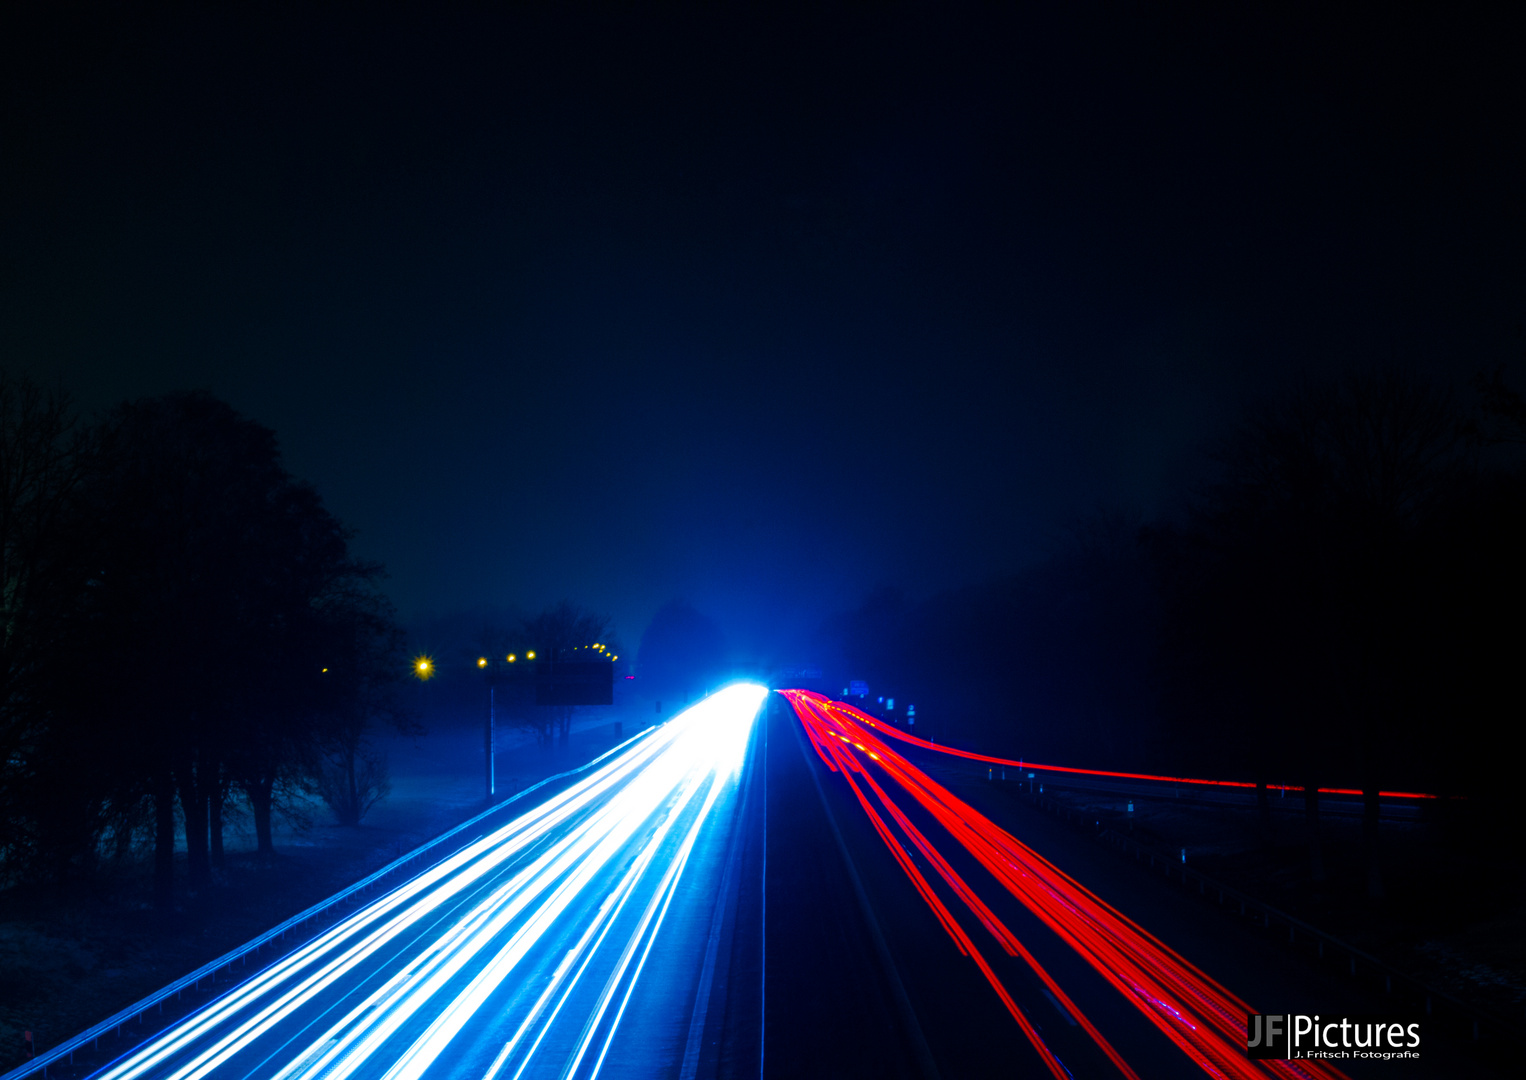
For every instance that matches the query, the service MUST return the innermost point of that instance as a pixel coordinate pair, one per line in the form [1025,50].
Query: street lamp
[489,740]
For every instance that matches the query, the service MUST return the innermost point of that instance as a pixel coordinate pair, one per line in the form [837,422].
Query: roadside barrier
[1457,1016]
[224,965]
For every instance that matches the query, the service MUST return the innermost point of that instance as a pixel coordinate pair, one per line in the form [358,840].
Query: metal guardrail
[1359,963]
[1393,809]
[240,955]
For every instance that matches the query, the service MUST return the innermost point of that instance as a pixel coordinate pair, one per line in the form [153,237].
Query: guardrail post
[1251,906]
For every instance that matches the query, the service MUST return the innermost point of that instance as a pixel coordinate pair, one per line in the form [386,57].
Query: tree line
[563,632]
[454,644]
[1335,603]
[185,634]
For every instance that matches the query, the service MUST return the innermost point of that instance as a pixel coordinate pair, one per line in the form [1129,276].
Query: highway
[994,942]
[941,844]
[528,953]
[761,886]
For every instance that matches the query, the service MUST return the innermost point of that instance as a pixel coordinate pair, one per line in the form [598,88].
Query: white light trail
[389,991]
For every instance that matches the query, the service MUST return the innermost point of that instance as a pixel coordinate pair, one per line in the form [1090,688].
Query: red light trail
[1201,1017]
[895,733]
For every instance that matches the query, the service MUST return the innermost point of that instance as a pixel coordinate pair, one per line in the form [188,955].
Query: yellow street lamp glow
[530,655]
[482,661]
[423,667]
[511,658]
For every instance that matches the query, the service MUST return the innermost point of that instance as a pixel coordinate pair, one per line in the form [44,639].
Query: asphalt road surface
[571,940]
[715,900]
[872,983]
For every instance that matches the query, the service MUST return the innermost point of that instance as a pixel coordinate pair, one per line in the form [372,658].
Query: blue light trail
[518,956]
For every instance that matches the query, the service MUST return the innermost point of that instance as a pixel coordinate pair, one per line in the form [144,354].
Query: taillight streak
[1201,1017]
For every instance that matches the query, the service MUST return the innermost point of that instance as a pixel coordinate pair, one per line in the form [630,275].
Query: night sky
[762,310]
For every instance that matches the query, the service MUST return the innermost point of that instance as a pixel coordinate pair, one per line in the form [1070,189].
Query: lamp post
[488,742]
[496,671]
[491,747]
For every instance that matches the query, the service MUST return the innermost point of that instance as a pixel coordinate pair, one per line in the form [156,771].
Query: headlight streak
[450,1021]
[638,815]
[1201,1017]
[325,977]
[608,912]
[495,849]
[666,891]
[378,1018]
[717,747]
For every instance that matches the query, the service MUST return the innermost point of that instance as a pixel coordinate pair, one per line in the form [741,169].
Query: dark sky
[760,309]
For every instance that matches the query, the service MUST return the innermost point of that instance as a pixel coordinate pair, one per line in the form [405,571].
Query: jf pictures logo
[1296,1035]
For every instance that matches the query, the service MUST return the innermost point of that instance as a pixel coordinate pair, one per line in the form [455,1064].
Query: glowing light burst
[1201,1017]
[517,955]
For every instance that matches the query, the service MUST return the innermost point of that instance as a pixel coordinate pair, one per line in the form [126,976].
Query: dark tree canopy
[199,632]
[1338,604]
